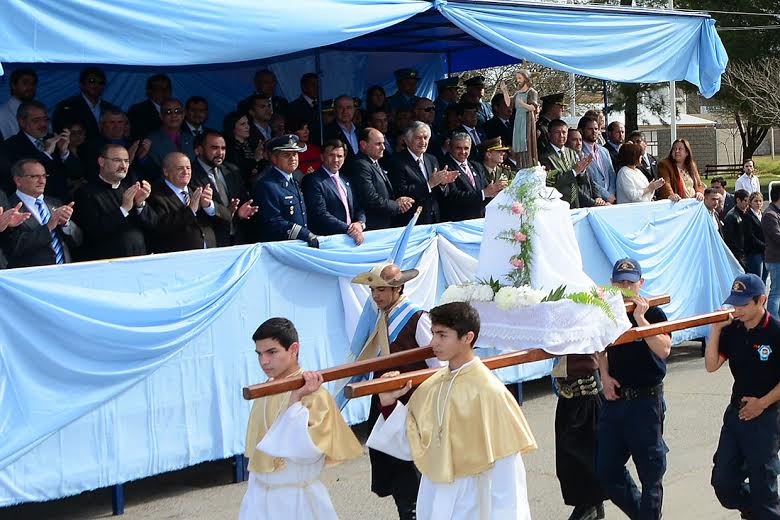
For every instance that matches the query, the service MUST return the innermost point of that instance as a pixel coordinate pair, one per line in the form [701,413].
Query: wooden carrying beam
[376,364]
[376,386]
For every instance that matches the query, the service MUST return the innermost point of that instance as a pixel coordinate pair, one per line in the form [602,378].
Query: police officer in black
[632,417]
[750,436]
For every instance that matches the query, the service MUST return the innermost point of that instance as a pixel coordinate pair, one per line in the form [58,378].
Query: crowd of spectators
[97,182]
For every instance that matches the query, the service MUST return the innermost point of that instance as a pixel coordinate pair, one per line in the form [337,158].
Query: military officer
[552,109]
[406,95]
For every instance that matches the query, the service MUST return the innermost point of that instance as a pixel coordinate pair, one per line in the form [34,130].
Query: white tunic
[496,494]
[295,491]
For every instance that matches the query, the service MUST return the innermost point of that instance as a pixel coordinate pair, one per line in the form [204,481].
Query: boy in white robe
[291,436]
[462,428]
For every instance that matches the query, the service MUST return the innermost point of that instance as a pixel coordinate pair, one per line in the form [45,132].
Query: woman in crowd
[249,159]
[376,99]
[310,160]
[525,103]
[754,236]
[681,174]
[632,184]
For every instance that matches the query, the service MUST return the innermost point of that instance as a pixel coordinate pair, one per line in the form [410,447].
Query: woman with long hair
[310,160]
[525,103]
[249,159]
[754,236]
[376,99]
[632,185]
[681,174]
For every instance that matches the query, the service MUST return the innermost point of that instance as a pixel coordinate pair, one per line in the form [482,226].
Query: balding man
[371,184]
[185,218]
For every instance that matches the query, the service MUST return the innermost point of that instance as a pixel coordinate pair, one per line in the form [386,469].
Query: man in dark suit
[168,139]
[230,197]
[719,183]
[47,236]
[342,128]
[468,125]
[371,185]
[329,199]
[552,109]
[282,207]
[145,116]
[34,142]
[85,106]
[378,121]
[260,113]
[416,174]
[467,195]
[196,112]
[567,172]
[425,112]
[265,85]
[112,209]
[647,163]
[616,134]
[185,218]
[306,106]
[500,125]
[113,124]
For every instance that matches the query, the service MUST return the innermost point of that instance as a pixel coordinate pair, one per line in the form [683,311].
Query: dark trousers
[632,428]
[748,450]
[576,422]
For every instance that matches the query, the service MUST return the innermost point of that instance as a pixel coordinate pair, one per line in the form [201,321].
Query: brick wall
[703,143]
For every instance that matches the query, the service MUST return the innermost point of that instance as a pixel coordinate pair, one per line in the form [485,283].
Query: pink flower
[518,263]
[601,292]
[520,236]
[517,208]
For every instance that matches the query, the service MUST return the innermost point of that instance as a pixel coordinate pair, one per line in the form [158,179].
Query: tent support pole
[318,71]
[606,105]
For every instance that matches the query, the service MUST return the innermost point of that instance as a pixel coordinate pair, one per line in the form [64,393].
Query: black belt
[570,388]
[629,393]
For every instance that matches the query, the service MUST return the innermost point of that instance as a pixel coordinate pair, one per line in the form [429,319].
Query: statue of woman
[526,105]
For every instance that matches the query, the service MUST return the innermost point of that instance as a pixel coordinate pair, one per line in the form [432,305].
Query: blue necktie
[43,211]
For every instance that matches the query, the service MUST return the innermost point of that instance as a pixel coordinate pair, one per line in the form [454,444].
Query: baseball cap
[744,289]
[626,269]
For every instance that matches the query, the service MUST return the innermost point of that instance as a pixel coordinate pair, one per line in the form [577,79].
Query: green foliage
[494,284]
[556,294]
[593,298]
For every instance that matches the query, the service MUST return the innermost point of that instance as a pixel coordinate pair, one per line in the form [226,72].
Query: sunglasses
[169,111]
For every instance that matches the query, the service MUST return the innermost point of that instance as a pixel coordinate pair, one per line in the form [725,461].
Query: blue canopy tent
[214,49]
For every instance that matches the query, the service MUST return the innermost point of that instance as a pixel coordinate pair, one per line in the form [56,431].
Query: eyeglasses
[117,160]
[96,81]
[36,177]
[169,111]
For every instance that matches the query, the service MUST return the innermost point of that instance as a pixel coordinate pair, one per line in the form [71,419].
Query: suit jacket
[613,154]
[76,109]
[282,214]
[496,128]
[59,171]
[650,170]
[162,146]
[374,192]
[334,131]
[601,171]
[408,180]
[728,202]
[464,201]
[327,215]
[278,103]
[300,108]
[734,234]
[144,119]
[90,151]
[29,244]
[108,233]
[177,228]
[474,153]
[754,235]
[578,190]
[227,228]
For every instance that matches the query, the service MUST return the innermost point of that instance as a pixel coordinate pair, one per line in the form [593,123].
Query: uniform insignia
[739,286]
[285,184]
[288,197]
[626,266]
[292,210]
[764,351]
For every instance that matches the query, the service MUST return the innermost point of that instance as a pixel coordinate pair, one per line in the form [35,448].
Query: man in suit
[185,218]
[406,95]
[734,229]
[168,139]
[113,124]
[474,95]
[145,116]
[500,125]
[306,106]
[34,142]
[230,197]
[342,128]
[282,207]
[719,183]
[468,125]
[113,213]
[467,196]
[567,172]
[647,163]
[552,109]
[260,112]
[87,106]
[616,134]
[48,235]
[265,85]
[416,174]
[378,121]
[196,112]
[600,168]
[24,85]
[329,199]
[371,185]
[425,112]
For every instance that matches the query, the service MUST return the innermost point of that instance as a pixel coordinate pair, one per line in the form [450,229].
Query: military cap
[476,81]
[451,82]
[493,145]
[285,143]
[406,74]
[553,99]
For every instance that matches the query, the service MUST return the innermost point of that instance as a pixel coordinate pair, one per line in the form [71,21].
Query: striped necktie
[56,245]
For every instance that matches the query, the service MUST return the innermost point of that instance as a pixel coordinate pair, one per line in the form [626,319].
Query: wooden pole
[376,386]
[375,364]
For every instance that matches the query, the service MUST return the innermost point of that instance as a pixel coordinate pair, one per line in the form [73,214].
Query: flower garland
[524,195]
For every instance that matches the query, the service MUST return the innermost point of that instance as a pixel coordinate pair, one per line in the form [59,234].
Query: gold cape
[482,423]
[327,429]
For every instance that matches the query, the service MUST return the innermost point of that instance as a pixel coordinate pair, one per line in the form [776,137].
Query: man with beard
[24,85]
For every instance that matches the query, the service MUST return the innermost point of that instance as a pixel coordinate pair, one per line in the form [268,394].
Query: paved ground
[695,401]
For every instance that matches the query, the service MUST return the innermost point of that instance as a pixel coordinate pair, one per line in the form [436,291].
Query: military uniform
[399,100]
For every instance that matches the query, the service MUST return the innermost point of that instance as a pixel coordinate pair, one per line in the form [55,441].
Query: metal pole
[673,100]
[772,141]
[606,105]
[573,111]
[318,71]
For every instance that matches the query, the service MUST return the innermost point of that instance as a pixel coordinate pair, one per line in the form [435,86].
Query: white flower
[454,293]
[482,293]
[509,298]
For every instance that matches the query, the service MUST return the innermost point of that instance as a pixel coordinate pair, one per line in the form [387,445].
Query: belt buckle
[565,390]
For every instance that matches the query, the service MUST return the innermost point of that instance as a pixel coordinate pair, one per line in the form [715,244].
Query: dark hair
[720,180]
[584,120]
[365,133]
[573,130]
[458,316]
[690,164]
[293,123]
[465,105]
[306,77]
[279,329]
[369,91]
[24,109]
[774,192]
[495,99]
[155,78]
[195,99]
[255,97]
[201,138]
[108,147]
[557,123]
[17,170]
[91,71]
[18,74]
[741,194]
[263,72]
[637,133]
[334,143]
[613,125]
[709,191]
[229,123]
[629,154]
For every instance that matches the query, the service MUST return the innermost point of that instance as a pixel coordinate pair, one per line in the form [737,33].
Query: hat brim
[289,149]
[372,280]
[738,300]
[626,277]
[498,149]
